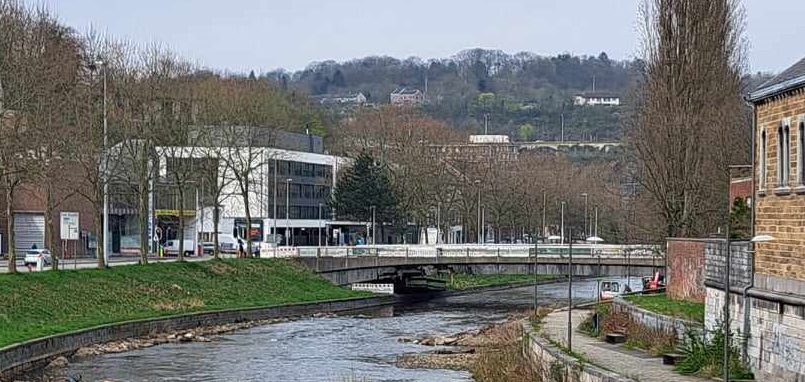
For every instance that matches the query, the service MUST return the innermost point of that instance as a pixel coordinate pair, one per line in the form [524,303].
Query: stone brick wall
[677,326]
[775,344]
[780,211]
[686,269]
[553,364]
[715,262]
[692,261]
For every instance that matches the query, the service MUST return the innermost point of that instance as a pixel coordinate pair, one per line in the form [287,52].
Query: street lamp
[94,66]
[727,271]
[288,234]
[320,205]
[562,225]
[480,234]
[586,232]
[570,290]
[374,212]
[595,240]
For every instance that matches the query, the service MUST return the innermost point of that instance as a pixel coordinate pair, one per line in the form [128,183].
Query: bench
[615,338]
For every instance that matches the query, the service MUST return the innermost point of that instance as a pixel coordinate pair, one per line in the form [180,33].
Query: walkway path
[633,364]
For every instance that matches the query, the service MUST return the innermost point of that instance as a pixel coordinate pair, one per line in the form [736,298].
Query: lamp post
[586,231]
[595,240]
[570,290]
[374,211]
[104,164]
[562,225]
[288,234]
[478,183]
[727,271]
[320,205]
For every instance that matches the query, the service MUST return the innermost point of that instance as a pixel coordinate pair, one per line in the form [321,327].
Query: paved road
[631,364]
[82,263]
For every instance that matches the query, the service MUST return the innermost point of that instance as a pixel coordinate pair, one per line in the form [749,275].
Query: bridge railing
[471,250]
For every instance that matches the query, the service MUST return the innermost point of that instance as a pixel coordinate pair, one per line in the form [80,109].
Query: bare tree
[689,120]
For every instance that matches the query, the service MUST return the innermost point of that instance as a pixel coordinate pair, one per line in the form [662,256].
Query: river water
[337,349]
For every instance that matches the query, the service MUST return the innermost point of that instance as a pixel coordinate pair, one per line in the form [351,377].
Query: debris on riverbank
[200,334]
[491,353]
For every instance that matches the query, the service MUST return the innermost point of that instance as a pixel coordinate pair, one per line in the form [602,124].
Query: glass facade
[311,184]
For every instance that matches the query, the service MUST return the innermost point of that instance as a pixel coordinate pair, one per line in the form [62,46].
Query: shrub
[705,358]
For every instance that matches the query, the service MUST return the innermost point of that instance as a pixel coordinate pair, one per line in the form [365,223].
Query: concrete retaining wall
[554,365]
[657,321]
[18,358]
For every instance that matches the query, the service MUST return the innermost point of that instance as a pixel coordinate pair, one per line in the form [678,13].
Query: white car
[33,255]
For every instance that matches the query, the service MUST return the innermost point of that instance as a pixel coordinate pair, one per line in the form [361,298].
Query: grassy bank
[462,281]
[42,303]
[661,304]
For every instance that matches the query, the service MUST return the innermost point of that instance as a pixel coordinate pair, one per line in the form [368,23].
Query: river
[337,349]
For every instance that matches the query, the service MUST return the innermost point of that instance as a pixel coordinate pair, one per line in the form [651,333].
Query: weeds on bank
[505,361]
[652,341]
[704,358]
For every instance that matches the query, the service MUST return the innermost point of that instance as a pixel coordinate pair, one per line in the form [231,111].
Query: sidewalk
[628,363]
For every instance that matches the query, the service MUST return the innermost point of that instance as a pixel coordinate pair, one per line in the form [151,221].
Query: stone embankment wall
[18,358]
[554,365]
[657,321]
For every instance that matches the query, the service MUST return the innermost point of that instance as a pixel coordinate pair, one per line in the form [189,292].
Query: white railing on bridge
[374,288]
[636,251]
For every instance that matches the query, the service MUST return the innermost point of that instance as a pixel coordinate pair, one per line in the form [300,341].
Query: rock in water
[58,362]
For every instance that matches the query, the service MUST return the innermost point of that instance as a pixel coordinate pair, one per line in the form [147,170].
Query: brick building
[30,225]
[769,308]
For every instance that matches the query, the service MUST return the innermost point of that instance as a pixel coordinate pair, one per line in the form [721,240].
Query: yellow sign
[175,212]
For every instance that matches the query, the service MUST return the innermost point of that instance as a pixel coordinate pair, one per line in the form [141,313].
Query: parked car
[172,247]
[33,255]
[610,290]
[208,247]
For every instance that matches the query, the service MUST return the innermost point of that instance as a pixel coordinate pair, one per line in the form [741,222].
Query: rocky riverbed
[200,334]
[464,351]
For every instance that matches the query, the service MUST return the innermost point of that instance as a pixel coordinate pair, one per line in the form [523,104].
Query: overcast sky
[261,35]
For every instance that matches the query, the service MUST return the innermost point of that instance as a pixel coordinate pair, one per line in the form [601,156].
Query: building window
[762,155]
[783,157]
[800,154]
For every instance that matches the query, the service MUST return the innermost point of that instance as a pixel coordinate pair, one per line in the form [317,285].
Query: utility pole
[562,224]
[585,215]
[570,291]
[543,212]
[486,123]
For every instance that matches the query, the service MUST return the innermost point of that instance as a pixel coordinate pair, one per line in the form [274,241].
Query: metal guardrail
[471,250]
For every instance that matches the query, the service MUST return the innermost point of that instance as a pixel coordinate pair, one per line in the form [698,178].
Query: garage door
[29,229]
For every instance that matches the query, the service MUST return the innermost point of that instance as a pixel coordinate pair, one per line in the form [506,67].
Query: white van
[172,247]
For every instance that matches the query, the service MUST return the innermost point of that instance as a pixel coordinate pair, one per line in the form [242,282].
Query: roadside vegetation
[462,281]
[45,303]
[692,311]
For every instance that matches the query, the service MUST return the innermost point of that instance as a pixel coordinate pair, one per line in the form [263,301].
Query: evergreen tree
[362,186]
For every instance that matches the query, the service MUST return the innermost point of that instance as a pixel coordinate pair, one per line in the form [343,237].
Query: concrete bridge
[349,265]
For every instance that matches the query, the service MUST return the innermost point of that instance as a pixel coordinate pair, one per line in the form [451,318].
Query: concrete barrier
[22,357]
[679,327]
[553,364]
